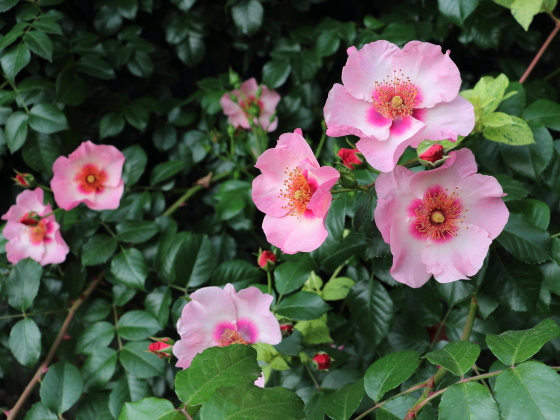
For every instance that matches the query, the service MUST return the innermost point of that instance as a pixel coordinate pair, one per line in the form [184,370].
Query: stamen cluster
[297,192]
[438,215]
[395,98]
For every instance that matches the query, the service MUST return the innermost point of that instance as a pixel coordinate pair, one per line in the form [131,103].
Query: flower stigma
[297,192]
[395,98]
[438,214]
[231,337]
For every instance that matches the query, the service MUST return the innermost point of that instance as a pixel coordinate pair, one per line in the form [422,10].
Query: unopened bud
[287,329]
[322,361]
[350,158]
[163,347]
[25,180]
[347,178]
[266,260]
[433,154]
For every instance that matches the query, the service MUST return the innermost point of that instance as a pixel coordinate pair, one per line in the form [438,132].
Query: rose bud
[163,347]
[287,328]
[25,180]
[433,154]
[349,157]
[322,361]
[266,260]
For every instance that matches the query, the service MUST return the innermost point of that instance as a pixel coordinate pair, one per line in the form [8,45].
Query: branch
[540,53]
[29,388]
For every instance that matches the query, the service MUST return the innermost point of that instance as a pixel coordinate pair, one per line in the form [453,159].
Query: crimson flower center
[395,98]
[439,214]
[297,192]
[231,337]
[91,179]
[37,233]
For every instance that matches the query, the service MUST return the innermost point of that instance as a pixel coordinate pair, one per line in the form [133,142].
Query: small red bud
[161,349]
[25,180]
[349,157]
[433,154]
[287,329]
[266,260]
[322,360]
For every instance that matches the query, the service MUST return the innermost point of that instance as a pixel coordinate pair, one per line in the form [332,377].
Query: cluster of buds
[266,260]
[322,361]
[162,348]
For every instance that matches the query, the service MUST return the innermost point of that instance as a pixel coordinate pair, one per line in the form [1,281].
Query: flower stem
[342,190]
[312,377]
[555,235]
[269,278]
[117,326]
[36,378]
[23,315]
[540,53]
[322,141]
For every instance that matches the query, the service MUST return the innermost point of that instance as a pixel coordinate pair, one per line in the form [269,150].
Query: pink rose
[31,236]
[220,317]
[90,175]
[294,192]
[393,98]
[441,221]
[349,157]
[266,260]
[237,110]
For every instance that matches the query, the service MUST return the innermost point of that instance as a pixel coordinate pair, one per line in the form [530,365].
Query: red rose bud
[433,154]
[25,180]
[286,328]
[161,348]
[349,157]
[322,360]
[266,260]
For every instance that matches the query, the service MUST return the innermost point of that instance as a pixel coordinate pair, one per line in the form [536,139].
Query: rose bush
[279,210]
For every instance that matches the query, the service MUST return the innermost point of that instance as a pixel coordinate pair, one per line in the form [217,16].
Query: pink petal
[298,146]
[56,250]
[261,381]
[433,73]
[325,177]
[446,120]
[249,87]
[365,67]
[481,196]
[458,258]
[407,248]
[294,234]
[236,116]
[21,247]
[459,166]
[185,352]
[108,199]
[346,115]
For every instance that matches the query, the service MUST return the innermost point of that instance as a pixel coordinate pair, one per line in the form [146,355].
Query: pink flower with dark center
[220,317]
[29,234]
[439,222]
[349,157]
[393,98]
[294,192]
[238,110]
[90,175]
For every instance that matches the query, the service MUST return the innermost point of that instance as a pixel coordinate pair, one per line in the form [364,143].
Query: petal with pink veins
[408,267]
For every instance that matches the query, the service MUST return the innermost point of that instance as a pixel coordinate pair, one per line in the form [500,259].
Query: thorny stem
[312,377]
[541,51]
[378,405]
[29,388]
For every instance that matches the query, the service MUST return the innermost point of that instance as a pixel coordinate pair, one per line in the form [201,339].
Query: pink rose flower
[90,175]
[393,98]
[294,192]
[441,221]
[237,111]
[220,317]
[31,236]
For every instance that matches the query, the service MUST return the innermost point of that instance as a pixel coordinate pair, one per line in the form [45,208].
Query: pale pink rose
[91,175]
[220,317]
[441,221]
[29,235]
[237,110]
[294,192]
[393,98]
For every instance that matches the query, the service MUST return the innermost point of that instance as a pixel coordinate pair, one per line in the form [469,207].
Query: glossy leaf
[137,325]
[135,359]
[457,357]
[22,284]
[46,118]
[389,372]
[340,405]
[468,401]
[61,387]
[302,306]
[25,342]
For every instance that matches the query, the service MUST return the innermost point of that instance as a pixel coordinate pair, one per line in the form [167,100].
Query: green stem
[182,289]
[43,187]
[312,377]
[322,141]
[18,95]
[269,278]
[117,327]
[442,323]
[23,315]
[108,229]
[555,235]
[342,190]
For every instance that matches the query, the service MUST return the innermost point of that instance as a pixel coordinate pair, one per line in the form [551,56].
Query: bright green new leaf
[496,119]
[25,342]
[337,288]
[468,401]
[47,118]
[22,284]
[150,409]
[61,387]
[457,357]
[214,368]
[389,372]
[513,347]
[136,360]
[516,134]
[525,10]
[315,331]
[340,405]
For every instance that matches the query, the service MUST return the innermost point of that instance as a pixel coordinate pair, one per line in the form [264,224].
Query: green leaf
[252,402]
[40,412]
[315,331]
[136,231]
[14,59]
[525,241]
[97,335]
[22,284]
[276,72]
[95,67]
[513,188]
[7,4]
[99,368]
[98,249]
[468,401]
[46,118]
[247,16]
[337,288]
[165,137]
[535,211]
[302,306]
[291,276]
[70,88]
[137,325]
[327,43]
[516,134]
[16,130]
[524,10]
[110,125]
[496,119]
[530,391]
[214,368]
[61,387]
[340,405]
[25,342]
[47,25]
[395,409]
[545,112]
[191,51]
[371,308]
[130,268]
[457,10]
[236,271]
[164,171]
[137,116]
[94,407]
[389,372]
[158,303]
[513,347]
[150,409]
[135,358]
[39,43]
[334,223]
[128,388]
[40,151]
[134,164]
[457,357]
